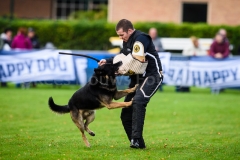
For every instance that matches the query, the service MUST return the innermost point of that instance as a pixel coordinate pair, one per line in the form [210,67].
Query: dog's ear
[117,65]
[98,71]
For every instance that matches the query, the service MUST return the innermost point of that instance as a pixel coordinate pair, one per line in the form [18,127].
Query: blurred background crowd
[25,39]
[28,39]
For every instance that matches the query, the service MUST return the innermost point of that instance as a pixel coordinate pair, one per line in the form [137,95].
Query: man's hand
[102,62]
[161,72]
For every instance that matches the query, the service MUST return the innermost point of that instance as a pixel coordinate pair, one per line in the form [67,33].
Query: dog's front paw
[128,104]
[134,88]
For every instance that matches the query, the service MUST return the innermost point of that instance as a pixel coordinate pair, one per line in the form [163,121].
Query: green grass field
[196,125]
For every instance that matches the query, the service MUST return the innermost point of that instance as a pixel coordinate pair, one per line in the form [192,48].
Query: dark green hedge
[95,35]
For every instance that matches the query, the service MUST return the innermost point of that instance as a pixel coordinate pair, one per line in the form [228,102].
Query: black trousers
[133,117]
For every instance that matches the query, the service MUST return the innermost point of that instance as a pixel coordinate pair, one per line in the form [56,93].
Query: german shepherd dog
[97,93]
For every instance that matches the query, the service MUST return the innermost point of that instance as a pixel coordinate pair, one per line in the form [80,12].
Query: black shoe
[134,143]
[138,143]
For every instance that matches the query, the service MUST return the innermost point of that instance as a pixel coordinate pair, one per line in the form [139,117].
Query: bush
[95,35]
[90,15]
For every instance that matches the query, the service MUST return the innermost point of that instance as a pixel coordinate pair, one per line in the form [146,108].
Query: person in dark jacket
[238,52]
[135,41]
[33,37]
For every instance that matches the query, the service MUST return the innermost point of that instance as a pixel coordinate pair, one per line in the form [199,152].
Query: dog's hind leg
[77,118]
[90,118]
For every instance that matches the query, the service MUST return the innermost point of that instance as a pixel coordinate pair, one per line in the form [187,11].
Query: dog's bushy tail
[57,108]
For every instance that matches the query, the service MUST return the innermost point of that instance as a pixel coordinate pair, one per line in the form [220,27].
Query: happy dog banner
[39,65]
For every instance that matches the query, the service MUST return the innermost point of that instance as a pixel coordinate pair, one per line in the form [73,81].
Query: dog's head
[108,69]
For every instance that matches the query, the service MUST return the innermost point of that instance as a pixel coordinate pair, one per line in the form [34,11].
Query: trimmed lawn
[195,125]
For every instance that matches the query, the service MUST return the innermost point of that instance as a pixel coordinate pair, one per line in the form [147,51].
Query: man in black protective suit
[137,42]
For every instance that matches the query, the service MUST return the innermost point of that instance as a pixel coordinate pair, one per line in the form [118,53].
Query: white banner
[36,66]
[203,73]
[165,60]
[177,73]
[81,66]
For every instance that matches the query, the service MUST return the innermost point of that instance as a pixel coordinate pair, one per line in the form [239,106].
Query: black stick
[83,55]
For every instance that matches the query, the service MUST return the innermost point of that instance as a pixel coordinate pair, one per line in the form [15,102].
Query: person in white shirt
[194,49]
[6,38]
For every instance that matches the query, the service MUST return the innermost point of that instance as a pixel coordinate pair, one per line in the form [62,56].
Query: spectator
[156,40]
[21,41]
[35,44]
[50,45]
[194,49]
[238,52]
[157,43]
[6,37]
[34,39]
[1,43]
[219,48]
[223,32]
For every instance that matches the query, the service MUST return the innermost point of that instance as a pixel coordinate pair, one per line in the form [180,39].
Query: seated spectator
[223,32]
[6,37]
[238,52]
[157,43]
[156,40]
[50,45]
[21,41]
[194,49]
[1,43]
[219,48]
[35,44]
[34,39]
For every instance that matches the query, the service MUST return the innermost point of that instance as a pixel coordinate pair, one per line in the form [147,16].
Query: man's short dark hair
[124,24]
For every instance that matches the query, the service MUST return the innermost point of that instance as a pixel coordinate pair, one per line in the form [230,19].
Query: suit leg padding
[126,117]
[139,110]
[140,101]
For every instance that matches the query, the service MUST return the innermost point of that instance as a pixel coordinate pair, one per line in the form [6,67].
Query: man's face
[124,35]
